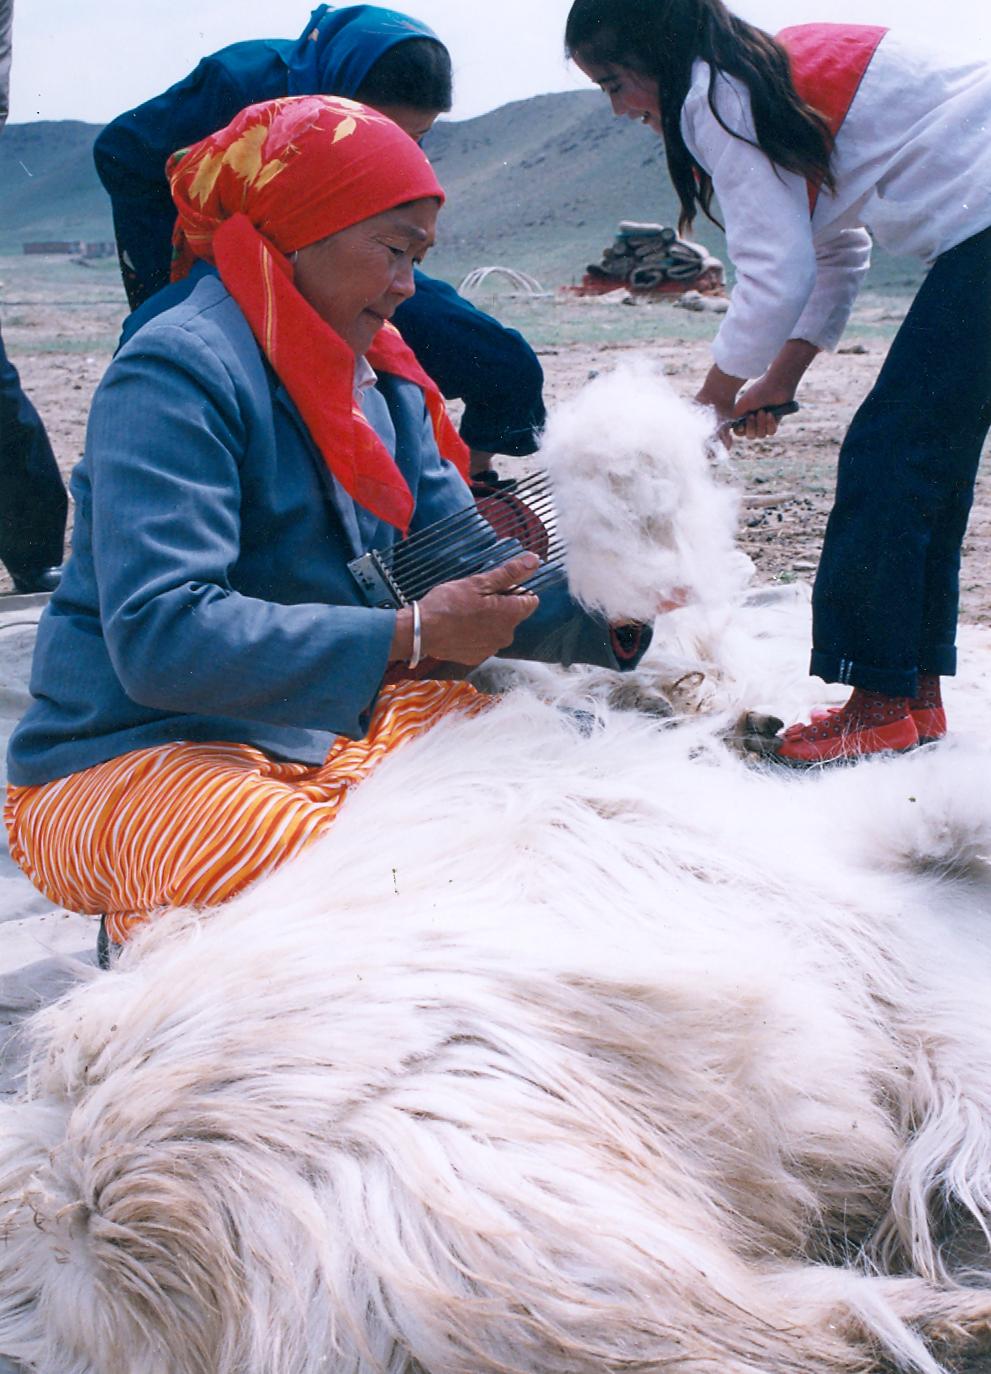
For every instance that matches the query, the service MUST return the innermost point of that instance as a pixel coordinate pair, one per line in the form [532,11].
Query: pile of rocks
[652,258]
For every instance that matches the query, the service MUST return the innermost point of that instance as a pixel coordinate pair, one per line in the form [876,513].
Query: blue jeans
[33,503]
[886,595]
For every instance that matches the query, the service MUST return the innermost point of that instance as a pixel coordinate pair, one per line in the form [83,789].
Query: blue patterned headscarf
[339,47]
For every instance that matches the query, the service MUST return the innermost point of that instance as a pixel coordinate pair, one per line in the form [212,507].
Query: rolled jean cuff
[941,661]
[893,682]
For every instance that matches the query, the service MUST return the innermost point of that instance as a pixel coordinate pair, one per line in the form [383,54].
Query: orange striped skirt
[192,824]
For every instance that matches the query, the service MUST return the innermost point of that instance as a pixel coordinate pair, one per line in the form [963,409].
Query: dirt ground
[60,322]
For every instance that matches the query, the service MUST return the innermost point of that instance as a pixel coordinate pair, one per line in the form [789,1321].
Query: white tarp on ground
[36,936]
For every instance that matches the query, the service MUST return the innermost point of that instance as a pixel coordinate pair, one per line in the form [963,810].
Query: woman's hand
[777,386]
[469,620]
[760,425]
[720,390]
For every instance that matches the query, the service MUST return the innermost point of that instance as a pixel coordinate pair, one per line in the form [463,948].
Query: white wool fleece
[642,516]
[606,1055]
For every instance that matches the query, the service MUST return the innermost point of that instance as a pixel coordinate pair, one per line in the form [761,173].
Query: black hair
[415,71]
[661,39]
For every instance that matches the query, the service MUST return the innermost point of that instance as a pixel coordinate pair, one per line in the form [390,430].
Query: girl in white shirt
[808,141]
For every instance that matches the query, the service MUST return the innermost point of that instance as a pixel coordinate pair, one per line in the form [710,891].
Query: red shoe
[930,721]
[829,739]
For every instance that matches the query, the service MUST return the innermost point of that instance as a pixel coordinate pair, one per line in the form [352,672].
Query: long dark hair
[661,39]
[415,72]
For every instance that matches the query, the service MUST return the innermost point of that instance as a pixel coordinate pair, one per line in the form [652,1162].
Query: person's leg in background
[885,600]
[33,501]
[937,654]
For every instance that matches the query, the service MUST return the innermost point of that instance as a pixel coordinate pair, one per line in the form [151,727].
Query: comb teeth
[485,535]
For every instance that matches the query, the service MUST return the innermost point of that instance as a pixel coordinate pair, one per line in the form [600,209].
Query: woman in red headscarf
[208,680]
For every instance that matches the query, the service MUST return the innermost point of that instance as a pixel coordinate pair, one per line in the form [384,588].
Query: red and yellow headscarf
[282,175]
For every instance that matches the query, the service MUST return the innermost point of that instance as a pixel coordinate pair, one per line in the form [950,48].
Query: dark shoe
[36,579]
[490,480]
[107,950]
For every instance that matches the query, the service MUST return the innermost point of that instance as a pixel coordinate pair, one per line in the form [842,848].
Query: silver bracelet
[417,653]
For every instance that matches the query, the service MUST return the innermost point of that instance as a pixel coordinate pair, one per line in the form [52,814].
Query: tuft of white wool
[562,1051]
[642,515]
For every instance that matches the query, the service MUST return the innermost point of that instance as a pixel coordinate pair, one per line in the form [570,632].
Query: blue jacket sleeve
[475,358]
[166,434]
[131,153]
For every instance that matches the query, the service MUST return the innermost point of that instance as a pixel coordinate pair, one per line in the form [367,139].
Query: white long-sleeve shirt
[912,163]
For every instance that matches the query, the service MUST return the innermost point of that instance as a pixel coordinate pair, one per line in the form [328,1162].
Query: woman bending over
[808,141]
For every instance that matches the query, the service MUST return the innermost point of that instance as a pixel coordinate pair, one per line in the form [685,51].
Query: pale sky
[93,59]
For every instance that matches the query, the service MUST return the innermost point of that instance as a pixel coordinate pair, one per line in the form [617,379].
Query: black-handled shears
[778,411]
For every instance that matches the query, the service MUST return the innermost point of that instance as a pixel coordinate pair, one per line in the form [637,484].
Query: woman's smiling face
[631,93]
[358,278]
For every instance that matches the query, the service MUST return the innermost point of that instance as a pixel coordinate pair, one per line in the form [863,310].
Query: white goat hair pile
[562,1054]
[641,513]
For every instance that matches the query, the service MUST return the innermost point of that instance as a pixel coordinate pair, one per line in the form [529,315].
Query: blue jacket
[208,595]
[468,353]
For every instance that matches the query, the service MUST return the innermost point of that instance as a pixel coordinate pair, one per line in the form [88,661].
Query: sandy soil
[60,323]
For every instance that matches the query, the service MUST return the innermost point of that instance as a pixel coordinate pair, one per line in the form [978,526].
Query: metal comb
[498,526]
